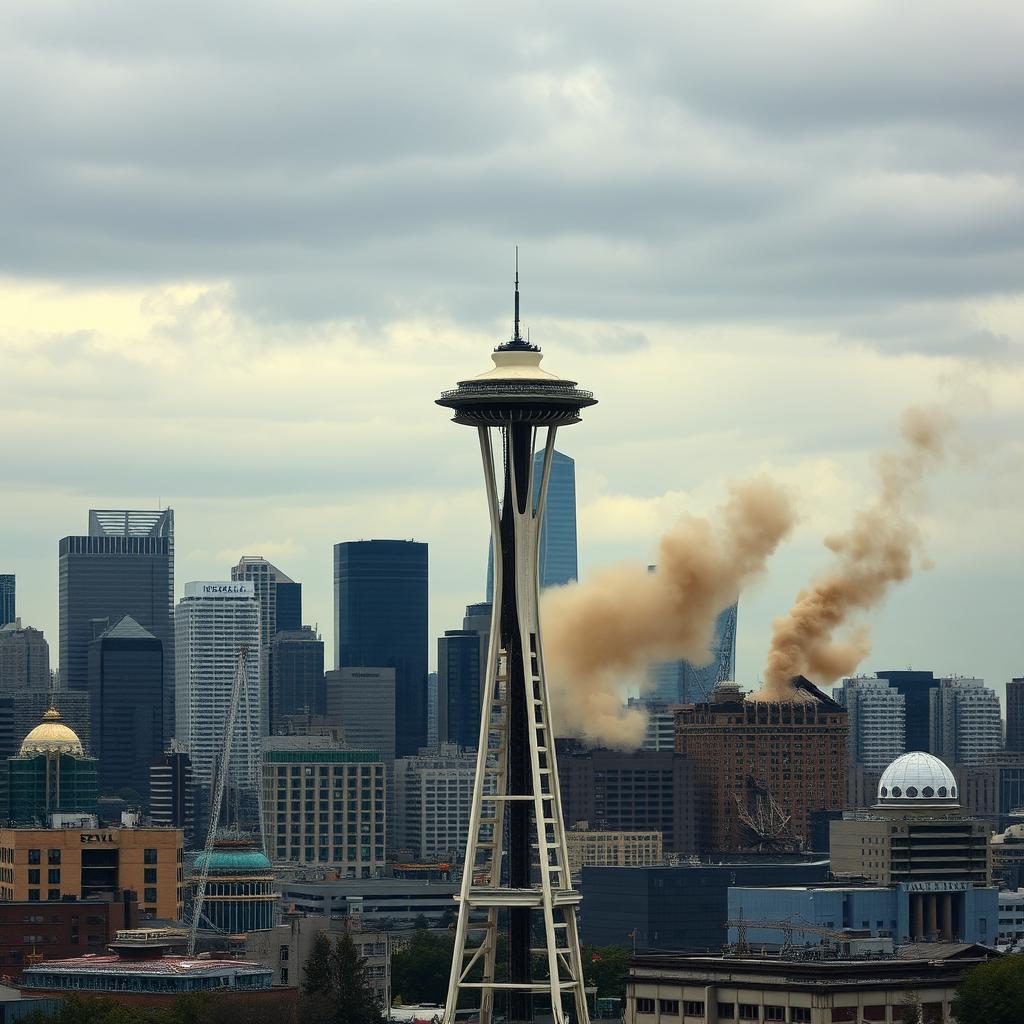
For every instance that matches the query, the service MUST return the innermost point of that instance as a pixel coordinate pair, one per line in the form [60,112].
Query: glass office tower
[7,604]
[380,620]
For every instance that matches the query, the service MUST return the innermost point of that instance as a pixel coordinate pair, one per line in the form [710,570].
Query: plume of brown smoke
[624,618]
[877,551]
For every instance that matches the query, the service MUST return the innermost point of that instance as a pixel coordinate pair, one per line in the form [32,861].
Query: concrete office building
[8,605]
[841,987]
[1015,714]
[660,733]
[620,790]
[324,806]
[433,798]
[876,714]
[124,566]
[51,774]
[24,658]
[768,761]
[213,621]
[170,792]
[297,675]
[379,902]
[683,906]
[280,601]
[380,616]
[362,701]
[966,724]
[589,847]
[126,685]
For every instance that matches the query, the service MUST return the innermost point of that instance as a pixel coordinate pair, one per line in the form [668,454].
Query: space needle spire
[516,870]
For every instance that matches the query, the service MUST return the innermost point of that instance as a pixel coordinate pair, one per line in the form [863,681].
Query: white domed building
[916,839]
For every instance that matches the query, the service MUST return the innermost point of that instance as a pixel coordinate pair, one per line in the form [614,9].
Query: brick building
[764,761]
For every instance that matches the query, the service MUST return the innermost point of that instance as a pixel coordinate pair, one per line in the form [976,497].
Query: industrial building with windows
[324,806]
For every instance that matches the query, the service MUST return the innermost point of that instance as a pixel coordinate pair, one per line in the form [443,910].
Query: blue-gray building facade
[380,620]
[681,682]
[684,907]
[882,910]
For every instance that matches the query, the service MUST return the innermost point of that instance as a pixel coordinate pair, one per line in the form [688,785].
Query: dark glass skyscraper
[458,687]
[126,686]
[916,687]
[125,566]
[297,674]
[557,562]
[681,682]
[7,603]
[380,620]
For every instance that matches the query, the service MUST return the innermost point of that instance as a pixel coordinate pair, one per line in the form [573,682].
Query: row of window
[726,1011]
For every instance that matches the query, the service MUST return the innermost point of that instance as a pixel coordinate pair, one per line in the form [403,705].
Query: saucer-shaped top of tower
[516,389]
[918,779]
[51,736]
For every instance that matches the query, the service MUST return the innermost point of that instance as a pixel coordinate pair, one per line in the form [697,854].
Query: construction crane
[787,927]
[703,682]
[767,826]
[239,701]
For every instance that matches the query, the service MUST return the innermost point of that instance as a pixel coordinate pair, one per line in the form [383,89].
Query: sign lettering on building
[96,837]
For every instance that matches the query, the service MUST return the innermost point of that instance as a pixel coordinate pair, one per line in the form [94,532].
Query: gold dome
[51,736]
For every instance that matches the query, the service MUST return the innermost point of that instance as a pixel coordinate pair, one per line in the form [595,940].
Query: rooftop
[51,736]
[176,966]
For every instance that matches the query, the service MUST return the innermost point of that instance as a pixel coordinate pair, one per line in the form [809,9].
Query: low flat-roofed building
[611,848]
[707,989]
[382,902]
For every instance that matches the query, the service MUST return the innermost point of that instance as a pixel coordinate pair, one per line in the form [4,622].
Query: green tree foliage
[198,1008]
[992,993]
[336,987]
[419,973]
[606,968]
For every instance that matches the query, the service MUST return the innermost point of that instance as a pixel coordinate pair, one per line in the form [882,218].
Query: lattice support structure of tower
[516,869]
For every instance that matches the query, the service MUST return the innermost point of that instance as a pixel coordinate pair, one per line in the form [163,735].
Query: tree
[419,973]
[911,1009]
[316,971]
[336,986]
[606,968]
[992,993]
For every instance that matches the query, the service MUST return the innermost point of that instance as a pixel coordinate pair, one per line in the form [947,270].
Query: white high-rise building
[433,799]
[966,726]
[212,622]
[877,716]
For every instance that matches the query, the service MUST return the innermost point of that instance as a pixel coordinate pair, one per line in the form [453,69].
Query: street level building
[47,865]
[433,798]
[835,988]
[324,806]
[214,620]
[126,687]
[24,658]
[605,848]
[380,615]
[52,774]
[124,566]
[387,903]
[764,767]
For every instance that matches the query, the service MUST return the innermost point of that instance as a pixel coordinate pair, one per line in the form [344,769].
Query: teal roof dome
[234,855]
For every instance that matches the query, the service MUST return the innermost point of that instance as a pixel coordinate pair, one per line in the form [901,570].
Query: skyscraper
[280,600]
[1015,714]
[380,620]
[681,682]
[876,711]
[557,557]
[24,658]
[916,687]
[297,671]
[458,688]
[363,701]
[125,566]
[170,791]
[213,621]
[8,608]
[126,685]
[966,727]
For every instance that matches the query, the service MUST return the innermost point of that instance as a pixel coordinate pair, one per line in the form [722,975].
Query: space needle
[516,870]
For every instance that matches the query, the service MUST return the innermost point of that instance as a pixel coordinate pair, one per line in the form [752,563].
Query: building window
[843,1014]
[726,1011]
[774,1013]
[33,857]
[749,1011]
[53,876]
[692,1008]
[284,975]
[53,856]
[33,876]
[872,1013]
[149,895]
[800,1014]
[33,895]
[670,1007]
[149,856]
[149,875]
[643,1004]
[53,894]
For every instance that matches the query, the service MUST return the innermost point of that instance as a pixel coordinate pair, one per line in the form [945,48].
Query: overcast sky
[244,246]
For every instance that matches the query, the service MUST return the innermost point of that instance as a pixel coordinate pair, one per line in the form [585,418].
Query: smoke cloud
[874,553]
[599,634]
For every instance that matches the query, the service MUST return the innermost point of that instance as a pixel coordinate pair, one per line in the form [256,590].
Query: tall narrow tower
[516,871]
